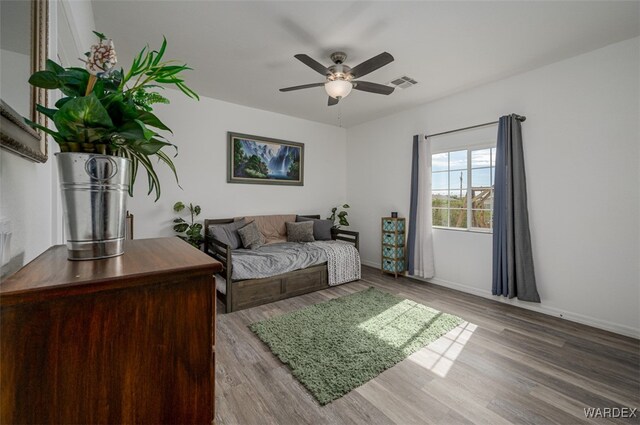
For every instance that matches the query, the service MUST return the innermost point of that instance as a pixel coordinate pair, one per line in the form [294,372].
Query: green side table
[393,246]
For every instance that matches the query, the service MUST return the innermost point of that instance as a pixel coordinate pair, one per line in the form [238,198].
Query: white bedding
[275,259]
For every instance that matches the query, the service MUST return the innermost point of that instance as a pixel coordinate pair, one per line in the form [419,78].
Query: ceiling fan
[340,78]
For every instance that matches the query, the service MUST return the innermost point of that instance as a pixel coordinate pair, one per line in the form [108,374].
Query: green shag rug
[338,345]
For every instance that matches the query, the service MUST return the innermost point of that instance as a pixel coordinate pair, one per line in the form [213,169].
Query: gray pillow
[228,233]
[300,232]
[251,236]
[321,228]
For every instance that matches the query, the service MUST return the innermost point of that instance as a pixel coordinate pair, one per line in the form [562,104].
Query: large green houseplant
[108,111]
[106,130]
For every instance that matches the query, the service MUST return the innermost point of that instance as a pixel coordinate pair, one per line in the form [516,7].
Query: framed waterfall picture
[261,160]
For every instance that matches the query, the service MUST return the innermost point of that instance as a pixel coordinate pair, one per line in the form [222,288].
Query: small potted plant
[340,216]
[190,232]
[106,130]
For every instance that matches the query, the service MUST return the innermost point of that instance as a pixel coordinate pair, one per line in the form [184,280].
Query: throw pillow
[321,228]
[228,233]
[251,236]
[300,232]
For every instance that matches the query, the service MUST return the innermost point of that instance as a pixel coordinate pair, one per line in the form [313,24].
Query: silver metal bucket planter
[94,199]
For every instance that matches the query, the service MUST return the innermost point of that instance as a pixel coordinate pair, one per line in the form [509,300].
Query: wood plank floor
[504,365]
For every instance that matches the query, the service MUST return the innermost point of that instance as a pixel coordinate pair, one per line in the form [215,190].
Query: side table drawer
[393,239]
[393,266]
[392,252]
[389,225]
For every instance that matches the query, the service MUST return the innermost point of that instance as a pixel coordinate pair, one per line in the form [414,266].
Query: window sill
[453,229]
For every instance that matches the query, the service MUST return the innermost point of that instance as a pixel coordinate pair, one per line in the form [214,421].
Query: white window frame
[469,148]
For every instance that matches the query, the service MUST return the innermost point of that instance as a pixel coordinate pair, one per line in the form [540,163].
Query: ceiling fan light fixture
[338,89]
[341,79]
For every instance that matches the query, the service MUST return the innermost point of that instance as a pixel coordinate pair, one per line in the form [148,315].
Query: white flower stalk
[102,58]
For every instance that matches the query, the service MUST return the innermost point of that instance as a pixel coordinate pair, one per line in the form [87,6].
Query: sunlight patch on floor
[440,355]
[407,325]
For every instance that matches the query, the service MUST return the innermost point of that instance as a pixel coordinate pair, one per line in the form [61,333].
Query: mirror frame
[15,135]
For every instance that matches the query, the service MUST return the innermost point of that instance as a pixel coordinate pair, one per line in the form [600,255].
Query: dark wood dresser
[129,339]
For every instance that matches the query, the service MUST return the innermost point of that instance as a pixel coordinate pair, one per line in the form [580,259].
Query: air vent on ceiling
[403,82]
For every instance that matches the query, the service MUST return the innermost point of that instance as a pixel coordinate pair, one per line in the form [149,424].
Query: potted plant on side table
[106,130]
[341,216]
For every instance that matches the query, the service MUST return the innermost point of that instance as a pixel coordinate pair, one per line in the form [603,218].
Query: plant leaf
[48,112]
[121,112]
[154,182]
[130,131]
[60,103]
[53,67]
[150,119]
[150,147]
[45,79]
[161,51]
[134,167]
[181,227]
[98,88]
[178,206]
[170,80]
[148,134]
[83,119]
[164,158]
[197,210]
[186,90]
[74,81]
[56,136]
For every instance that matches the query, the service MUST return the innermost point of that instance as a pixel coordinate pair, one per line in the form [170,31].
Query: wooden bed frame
[241,294]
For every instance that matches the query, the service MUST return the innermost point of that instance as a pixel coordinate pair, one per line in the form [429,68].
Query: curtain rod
[518,117]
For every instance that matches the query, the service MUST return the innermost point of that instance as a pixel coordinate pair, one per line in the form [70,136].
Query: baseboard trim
[540,308]
[370,263]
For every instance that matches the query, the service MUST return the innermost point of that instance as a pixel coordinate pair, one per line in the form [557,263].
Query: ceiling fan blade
[313,64]
[332,101]
[371,65]
[372,87]
[304,86]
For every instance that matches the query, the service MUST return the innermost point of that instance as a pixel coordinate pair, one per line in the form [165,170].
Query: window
[462,188]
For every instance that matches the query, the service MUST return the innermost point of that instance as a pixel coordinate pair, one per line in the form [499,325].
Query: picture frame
[15,135]
[263,160]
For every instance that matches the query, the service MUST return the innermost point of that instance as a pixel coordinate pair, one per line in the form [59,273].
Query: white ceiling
[242,52]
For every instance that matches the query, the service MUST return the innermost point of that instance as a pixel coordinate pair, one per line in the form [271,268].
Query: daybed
[238,292]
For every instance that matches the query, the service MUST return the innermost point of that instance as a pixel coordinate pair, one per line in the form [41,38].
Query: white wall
[582,158]
[75,30]
[25,188]
[25,200]
[200,131]
[29,191]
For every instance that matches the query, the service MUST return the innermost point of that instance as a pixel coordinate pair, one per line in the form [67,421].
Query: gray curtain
[413,210]
[513,272]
